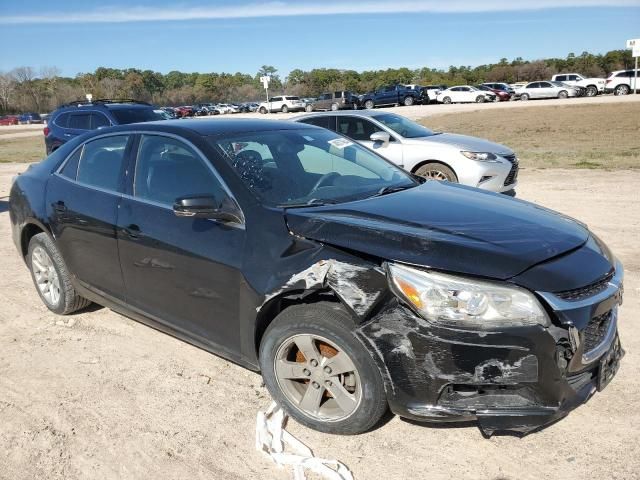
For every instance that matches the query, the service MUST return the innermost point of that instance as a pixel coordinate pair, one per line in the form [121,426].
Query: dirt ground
[96,395]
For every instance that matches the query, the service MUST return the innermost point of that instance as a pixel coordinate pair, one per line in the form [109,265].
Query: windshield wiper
[391,189]
[314,202]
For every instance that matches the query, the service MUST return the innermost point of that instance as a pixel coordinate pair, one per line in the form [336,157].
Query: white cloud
[298,8]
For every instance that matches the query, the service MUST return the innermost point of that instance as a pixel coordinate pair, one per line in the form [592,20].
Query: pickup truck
[391,95]
[590,86]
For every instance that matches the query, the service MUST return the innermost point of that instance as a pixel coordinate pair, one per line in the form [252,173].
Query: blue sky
[223,35]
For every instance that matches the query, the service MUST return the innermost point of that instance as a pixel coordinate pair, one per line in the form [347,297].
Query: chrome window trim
[203,158]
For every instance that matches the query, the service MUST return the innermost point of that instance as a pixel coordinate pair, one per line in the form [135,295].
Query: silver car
[434,155]
[535,90]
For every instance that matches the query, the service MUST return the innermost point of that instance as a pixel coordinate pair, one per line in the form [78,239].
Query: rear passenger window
[80,121]
[168,169]
[323,121]
[102,162]
[99,120]
[62,120]
[70,169]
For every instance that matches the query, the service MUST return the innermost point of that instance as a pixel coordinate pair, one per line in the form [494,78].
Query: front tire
[334,107]
[446,100]
[263,110]
[284,109]
[563,94]
[408,101]
[524,97]
[591,91]
[309,108]
[51,277]
[480,99]
[436,171]
[319,372]
[369,104]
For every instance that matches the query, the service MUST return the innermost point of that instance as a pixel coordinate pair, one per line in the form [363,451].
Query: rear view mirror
[380,137]
[205,206]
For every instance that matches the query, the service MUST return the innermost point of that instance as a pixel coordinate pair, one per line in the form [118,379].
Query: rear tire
[263,110]
[295,381]
[408,101]
[622,90]
[436,171]
[563,94]
[446,100]
[334,107]
[309,108]
[284,109]
[51,277]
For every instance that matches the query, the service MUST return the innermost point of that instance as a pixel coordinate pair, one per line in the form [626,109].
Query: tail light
[46,131]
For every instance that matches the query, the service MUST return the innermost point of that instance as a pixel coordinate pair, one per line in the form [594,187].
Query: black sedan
[351,285]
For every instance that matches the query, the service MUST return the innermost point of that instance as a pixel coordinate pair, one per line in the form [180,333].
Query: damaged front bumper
[517,379]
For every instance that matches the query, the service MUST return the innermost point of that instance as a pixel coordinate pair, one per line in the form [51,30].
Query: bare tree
[7,90]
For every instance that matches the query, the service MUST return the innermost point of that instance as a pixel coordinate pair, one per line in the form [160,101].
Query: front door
[183,272]
[82,203]
[361,129]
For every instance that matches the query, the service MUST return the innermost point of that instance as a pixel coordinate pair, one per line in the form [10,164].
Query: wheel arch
[424,162]
[278,304]
[30,229]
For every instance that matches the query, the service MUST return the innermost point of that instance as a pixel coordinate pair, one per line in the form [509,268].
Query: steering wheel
[324,179]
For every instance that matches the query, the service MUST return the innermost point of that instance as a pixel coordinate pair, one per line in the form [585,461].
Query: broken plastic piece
[272,439]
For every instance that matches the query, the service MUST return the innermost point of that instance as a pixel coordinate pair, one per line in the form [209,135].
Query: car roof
[345,113]
[213,126]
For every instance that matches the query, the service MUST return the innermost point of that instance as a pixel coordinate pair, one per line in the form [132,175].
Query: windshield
[309,166]
[137,115]
[403,126]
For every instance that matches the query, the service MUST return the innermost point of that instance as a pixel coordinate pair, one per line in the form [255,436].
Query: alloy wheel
[46,275]
[318,377]
[435,175]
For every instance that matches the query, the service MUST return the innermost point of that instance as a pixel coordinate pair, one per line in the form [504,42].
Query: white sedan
[433,155]
[465,94]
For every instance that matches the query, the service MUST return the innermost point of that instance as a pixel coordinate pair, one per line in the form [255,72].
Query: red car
[184,111]
[501,95]
[9,120]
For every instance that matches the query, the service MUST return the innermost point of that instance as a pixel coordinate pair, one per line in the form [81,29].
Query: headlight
[480,156]
[462,302]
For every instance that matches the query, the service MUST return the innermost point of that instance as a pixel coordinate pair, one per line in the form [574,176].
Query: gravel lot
[96,395]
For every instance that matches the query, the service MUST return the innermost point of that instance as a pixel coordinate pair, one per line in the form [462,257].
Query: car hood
[465,142]
[446,227]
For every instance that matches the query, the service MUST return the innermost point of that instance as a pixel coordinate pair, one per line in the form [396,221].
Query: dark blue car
[75,118]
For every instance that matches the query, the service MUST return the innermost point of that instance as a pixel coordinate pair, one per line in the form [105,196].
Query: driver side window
[167,169]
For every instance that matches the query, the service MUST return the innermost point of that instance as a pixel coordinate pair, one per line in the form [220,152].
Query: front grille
[595,331]
[513,173]
[587,291]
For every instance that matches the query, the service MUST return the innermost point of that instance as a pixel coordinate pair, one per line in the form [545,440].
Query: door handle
[132,231]
[60,207]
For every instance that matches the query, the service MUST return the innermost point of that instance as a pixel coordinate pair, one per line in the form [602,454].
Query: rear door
[183,272]
[83,197]
[78,123]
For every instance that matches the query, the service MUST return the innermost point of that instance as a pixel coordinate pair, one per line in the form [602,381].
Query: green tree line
[28,89]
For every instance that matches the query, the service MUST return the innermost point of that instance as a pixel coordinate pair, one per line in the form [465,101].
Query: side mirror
[381,137]
[203,206]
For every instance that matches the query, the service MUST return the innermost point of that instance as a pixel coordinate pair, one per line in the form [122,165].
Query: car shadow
[4,206]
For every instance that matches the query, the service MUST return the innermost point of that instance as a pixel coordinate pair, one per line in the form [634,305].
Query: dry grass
[25,149]
[575,136]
